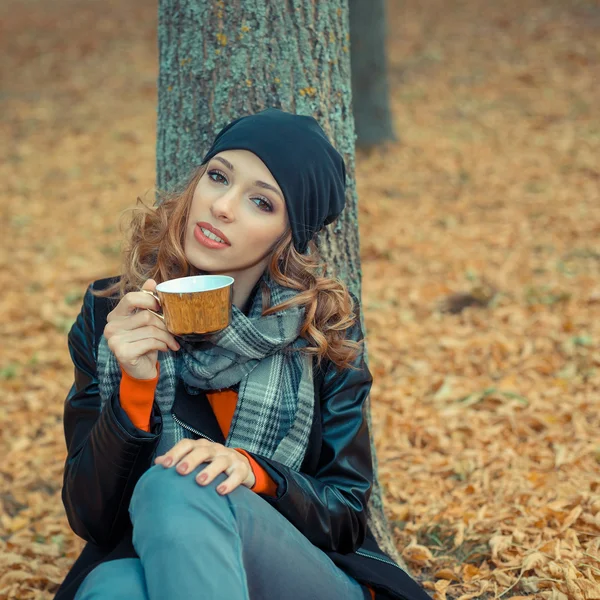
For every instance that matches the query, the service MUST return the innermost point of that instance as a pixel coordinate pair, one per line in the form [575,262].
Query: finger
[131,302]
[131,346]
[141,318]
[219,464]
[150,332]
[131,352]
[199,455]
[179,450]
[149,284]
[235,479]
[136,321]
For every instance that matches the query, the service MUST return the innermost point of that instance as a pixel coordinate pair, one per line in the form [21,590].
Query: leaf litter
[479,242]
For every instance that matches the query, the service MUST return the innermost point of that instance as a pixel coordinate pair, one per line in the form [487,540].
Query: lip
[206,241]
[214,230]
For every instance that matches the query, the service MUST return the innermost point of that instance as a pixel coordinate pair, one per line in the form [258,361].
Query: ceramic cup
[196,305]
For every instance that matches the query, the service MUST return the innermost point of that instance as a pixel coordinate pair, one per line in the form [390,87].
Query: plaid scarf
[275,405]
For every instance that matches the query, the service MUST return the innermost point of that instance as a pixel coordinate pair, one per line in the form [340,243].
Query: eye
[262,203]
[218,174]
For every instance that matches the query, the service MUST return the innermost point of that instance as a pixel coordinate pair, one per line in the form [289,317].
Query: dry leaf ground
[486,421]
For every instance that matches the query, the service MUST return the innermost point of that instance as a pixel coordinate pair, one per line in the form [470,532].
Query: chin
[200,262]
[209,262]
[206,266]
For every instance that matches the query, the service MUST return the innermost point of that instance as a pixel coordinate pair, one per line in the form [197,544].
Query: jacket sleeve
[330,508]
[106,454]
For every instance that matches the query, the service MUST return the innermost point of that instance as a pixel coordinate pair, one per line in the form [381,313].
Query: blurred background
[480,246]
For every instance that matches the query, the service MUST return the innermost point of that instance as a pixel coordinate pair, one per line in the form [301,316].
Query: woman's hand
[186,455]
[135,335]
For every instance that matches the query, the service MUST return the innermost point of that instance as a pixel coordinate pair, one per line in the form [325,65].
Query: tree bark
[370,98]
[219,61]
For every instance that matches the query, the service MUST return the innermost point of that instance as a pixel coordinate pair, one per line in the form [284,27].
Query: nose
[223,207]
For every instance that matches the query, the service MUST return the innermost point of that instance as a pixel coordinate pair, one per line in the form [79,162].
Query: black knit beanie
[308,169]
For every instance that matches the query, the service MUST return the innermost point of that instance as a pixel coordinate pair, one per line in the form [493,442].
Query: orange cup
[195,305]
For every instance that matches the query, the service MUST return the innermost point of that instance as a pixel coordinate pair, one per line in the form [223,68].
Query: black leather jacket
[326,500]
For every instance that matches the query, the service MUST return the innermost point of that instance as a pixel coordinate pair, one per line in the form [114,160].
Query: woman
[238,467]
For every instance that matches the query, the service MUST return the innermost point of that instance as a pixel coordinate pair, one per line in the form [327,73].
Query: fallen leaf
[419,555]
[448,574]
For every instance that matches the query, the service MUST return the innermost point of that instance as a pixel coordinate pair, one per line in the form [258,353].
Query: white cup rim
[184,284]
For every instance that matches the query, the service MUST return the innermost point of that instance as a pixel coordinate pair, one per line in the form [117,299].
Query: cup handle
[162,317]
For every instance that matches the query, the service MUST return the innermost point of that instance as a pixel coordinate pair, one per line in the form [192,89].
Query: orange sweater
[137,397]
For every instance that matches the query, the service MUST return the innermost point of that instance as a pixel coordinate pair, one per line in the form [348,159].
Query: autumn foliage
[481,287]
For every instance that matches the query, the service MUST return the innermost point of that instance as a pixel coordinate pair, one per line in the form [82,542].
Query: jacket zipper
[368,554]
[186,426]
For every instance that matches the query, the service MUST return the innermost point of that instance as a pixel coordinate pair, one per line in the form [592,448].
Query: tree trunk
[219,61]
[370,99]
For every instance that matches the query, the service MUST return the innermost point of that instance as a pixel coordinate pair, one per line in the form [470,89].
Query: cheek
[198,195]
[198,200]
[204,192]
[263,233]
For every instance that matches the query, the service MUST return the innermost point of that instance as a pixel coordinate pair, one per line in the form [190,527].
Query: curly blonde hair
[154,250]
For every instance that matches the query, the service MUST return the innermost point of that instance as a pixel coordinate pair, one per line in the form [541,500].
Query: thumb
[149,284]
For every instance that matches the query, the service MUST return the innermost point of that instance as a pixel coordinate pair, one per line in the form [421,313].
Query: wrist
[153,378]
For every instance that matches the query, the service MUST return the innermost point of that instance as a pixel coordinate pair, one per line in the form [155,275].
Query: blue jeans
[194,543]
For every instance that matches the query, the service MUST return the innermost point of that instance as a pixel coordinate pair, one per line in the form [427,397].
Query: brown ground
[486,421]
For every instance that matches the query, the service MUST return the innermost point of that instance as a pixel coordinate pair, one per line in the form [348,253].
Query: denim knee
[162,499]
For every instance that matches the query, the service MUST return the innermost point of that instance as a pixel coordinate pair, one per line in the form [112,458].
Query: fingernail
[167,462]
[202,477]
[182,468]
[221,489]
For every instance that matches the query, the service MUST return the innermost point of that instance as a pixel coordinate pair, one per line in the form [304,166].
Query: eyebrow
[261,184]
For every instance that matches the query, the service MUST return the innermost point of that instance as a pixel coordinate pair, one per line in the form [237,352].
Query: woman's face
[237,214]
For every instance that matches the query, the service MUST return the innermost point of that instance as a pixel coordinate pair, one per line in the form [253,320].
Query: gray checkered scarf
[275,406]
